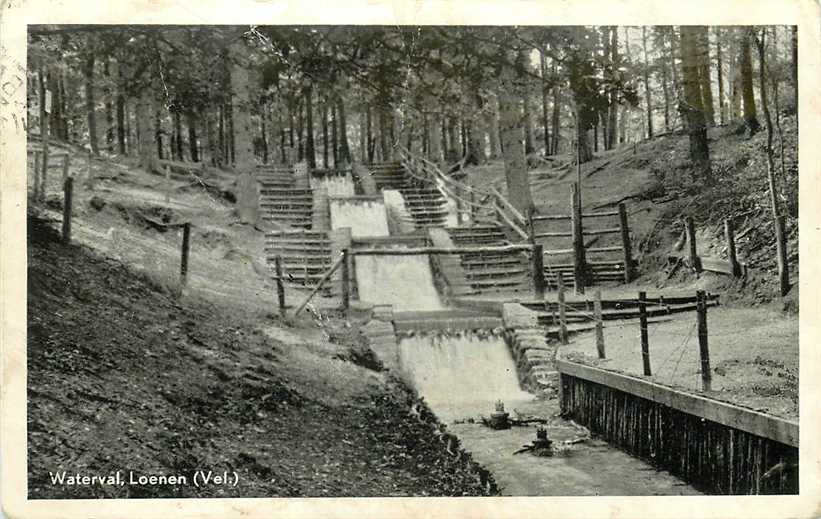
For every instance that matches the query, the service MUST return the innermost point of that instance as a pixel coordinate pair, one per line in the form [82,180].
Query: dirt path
[753,355]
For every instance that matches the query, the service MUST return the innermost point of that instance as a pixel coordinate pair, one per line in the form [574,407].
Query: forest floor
[126,373]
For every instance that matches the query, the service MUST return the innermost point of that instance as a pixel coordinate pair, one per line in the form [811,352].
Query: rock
[97,203]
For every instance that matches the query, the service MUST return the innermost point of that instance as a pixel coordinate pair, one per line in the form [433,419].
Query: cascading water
[406,282]
[461,375]
[366,218]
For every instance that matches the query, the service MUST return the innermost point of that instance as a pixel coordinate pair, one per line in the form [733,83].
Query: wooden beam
[441,250]
[760,424]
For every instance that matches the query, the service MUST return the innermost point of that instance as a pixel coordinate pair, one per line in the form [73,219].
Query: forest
[230,97]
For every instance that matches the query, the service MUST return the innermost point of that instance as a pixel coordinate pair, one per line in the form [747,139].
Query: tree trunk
[325,142]
[545,102]
[88,72]
[720,73]
[435,146]
[232,135]
[300,125]
[554,123]
[147,131]
[613,109]
[704,75]
[263,132]
[750,115]
[666,90]
[512,137]
[383,134]
[191,122]
[121,111]
[159,133]
[528,120]
[344,146]
[310,149]
[693,111]
[369,136]
[759,41]
[647,96]
[794,48]
[493,127]
[177,135]
[247,187]
[207,152]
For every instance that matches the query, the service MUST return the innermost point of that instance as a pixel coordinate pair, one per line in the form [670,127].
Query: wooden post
[597,313]
[695,262]
[44,133]
[781,248]
[66,161]
[280,285]
[645,346]
[36,195]
[625,243]
[704,352]
[472,205]
[44,172]
[68,189]
[459,208]
[578,243]
[167,184]
[186,237]
[562,317]
[729,233]
[88,167]
[538,271]
[346,279]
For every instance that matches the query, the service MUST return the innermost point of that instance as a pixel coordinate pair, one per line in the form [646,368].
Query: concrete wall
[535,357]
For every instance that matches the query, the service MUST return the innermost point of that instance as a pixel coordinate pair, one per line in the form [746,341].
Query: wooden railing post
[346,280]
[578,240]
[280,285]
[781,248]
[704,352]
[186,237]
[68,189]
[562,316]
[625,243]
[695,262]
[645,345]
[729,233]
[538,271]
[597,314]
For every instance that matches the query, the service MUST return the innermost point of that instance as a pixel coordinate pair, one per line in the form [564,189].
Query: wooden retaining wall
[717,447]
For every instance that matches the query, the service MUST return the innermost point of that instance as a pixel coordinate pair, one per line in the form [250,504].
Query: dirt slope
[123,376]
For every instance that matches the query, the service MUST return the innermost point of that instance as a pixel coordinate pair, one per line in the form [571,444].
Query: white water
[406,282]
[461,376]
[337,186]
[366,218]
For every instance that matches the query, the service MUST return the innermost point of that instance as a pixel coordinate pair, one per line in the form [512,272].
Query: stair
[290,207]
[426,204]
[275,177]
[306,255]
[491,271]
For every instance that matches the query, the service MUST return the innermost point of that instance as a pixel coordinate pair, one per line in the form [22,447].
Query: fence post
[346,281]
[562,317]
[625,243]
[472,205]
[729,234]
[645,346]
[167,184]
[186,238]
[280,286]
[36,176]
[578,243]
[66,161]
[781,247]
[44,173]
[704,352]
[597,313]
[68,190]
[538,271]
[695,262]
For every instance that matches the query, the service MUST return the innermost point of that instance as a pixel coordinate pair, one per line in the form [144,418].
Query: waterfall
[461,375]
[406,282]
[366,218]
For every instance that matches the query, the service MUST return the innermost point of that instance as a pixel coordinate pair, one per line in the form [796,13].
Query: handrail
[441,250]
[508,206]
[319,284]
[512,224]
